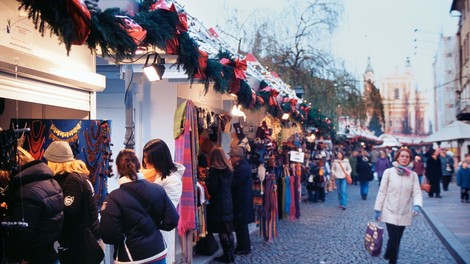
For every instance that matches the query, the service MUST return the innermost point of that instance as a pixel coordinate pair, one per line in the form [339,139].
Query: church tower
[369,80]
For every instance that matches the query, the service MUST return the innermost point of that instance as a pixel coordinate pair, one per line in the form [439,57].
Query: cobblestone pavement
[326,234]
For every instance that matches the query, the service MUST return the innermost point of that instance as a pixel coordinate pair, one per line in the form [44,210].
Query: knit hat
[58,151]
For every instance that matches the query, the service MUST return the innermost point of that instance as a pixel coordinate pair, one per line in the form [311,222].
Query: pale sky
[381,29]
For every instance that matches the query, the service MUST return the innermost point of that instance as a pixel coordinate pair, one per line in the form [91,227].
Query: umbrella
[454,131]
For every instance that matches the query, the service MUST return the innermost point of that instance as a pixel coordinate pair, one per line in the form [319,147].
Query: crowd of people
[55,199]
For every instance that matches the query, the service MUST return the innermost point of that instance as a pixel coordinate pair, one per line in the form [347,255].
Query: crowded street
[326,234]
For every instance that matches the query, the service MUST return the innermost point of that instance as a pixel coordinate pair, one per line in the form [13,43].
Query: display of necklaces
[89,139]
[36,139]
[8,143]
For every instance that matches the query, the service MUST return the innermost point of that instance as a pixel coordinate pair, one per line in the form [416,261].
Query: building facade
[445,81]
[404,105]
[463,93]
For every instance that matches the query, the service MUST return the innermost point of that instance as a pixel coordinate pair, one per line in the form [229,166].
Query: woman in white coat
[398,200]
[339,169]
[159,168]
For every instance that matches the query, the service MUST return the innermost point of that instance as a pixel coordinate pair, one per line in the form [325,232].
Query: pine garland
[245,95]
[188,54]
[160,26]
[108,32]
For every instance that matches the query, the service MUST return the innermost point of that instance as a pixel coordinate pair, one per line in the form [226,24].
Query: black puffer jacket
[36,196]
[80,210]
[219,184]
[135,213]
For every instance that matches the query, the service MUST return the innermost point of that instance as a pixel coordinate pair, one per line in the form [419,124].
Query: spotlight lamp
[154,71]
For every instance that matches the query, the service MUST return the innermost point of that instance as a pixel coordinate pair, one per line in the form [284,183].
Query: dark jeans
[364,189]
[393,245]
[243,237]
[319,194]
[446,179]
[464,194]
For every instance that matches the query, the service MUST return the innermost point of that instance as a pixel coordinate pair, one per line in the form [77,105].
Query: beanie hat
[58,151]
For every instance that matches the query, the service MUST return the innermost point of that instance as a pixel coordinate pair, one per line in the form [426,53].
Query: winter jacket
[219,184]
[418,167]
[397,194]
[132,217]
[80,210]
[381,165]
[434,173]
[353,163]
[447,165]
[33,195]
[364,170]
[463,178]
[172,183]
[173,186]
[336,170]
[242,193]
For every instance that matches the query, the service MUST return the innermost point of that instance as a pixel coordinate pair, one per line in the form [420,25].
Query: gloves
[416,210]
[377,215]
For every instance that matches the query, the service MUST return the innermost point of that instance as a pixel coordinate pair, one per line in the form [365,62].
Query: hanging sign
[297,156]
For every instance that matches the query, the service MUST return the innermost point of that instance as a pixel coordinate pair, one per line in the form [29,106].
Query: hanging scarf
[401,170]
[185,150]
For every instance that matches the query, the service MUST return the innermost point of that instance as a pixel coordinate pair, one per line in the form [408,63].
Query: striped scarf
[185,154]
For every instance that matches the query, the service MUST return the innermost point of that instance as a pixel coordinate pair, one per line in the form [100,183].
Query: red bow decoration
[162,4]
[182,25]
[133,29]
[293,104]
[201,71]
[81,18]
[274,94]
[305,109]
[239,68]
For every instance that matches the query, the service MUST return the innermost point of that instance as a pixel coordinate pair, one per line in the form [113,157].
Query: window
[396,94]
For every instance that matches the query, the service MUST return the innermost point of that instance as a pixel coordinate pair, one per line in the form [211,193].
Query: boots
[227,242]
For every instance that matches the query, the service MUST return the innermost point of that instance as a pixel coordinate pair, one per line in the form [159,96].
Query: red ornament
[201,71]
[81,18]
[133,29]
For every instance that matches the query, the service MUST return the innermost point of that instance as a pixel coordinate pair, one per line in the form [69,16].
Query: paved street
[326,234]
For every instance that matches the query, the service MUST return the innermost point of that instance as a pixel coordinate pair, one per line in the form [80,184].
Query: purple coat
[381,165]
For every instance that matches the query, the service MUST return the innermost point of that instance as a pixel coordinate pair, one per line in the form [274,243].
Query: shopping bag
[373,238]
[425,186]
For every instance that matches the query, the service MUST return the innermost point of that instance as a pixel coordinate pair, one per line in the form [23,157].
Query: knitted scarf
[401,170]
[184,154]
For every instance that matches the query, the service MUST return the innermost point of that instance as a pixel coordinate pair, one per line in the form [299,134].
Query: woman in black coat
[220,207]
[364,174]
[133,215]
[33,197]
[434,173]
[242,194]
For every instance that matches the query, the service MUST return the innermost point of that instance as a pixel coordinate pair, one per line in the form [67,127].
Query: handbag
[348,177]
[425,186]
[373,238]
[207,245]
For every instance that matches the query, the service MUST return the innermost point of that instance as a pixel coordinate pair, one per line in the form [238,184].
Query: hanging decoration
[119,33]
[8,144]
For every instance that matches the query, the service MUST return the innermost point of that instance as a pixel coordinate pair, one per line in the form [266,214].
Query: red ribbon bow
[239,68]
[274,94]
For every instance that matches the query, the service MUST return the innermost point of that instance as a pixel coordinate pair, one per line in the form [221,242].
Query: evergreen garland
[188,54]
[160,26]
[108,32]
[245,95]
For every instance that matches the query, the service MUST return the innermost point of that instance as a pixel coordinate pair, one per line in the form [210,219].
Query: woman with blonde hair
[339,170]
[80,234]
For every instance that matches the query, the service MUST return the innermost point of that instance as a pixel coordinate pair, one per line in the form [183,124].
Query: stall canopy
[454,131]
[388,141]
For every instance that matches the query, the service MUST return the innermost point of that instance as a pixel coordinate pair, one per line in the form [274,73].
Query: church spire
[369,66]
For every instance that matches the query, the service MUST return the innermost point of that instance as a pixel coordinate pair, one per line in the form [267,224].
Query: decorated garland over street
[119,33]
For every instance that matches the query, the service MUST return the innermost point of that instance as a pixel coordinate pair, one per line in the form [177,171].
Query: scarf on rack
[401,170]
[185,146]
